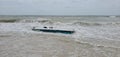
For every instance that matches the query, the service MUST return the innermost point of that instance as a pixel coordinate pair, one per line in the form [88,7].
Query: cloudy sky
[59,7]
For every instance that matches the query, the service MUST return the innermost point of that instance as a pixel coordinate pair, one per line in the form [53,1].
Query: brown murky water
[93,37]
[14,44]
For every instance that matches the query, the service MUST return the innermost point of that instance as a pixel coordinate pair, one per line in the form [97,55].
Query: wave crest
[82,23]
[95,24]
[36,21]
[86,23]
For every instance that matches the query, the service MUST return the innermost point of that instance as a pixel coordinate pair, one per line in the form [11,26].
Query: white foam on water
[92,32]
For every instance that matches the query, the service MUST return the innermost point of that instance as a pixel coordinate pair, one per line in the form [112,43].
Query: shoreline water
[92,38]
[36,44]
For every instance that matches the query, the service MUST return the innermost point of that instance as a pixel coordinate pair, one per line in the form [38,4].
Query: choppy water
[93,29]
[96,36]
[96,30]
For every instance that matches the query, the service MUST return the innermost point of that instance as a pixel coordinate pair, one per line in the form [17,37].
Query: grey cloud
[60,7]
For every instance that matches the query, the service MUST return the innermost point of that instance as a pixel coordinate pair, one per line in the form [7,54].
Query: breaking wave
[86,23]
[94,24]
[81,23]
[36,21]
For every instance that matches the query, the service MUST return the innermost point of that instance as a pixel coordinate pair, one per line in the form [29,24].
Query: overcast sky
[59,7]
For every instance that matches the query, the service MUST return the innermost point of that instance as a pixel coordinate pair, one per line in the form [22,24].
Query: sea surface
[102,33]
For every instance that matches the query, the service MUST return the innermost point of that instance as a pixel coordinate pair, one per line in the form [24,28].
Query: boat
[53,30]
